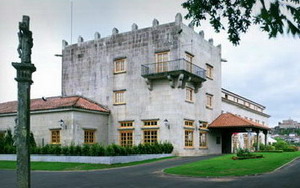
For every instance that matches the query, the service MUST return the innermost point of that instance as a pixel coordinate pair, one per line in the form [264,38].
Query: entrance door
[226,142]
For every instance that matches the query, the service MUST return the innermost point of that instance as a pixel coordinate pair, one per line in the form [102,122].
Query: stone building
[61,120]
[289,124]
[161,83]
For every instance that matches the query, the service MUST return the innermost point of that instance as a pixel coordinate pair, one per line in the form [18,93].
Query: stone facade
[88,70]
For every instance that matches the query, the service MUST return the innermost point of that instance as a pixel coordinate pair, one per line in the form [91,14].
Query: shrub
[32,140]
[246,154]
[280,145]
[71,150]
[77,150]
[109,151]
[167,147]
[269,148]
[8,138]
[2,145]
[65,150]
[93,150]
[290,149]
[261,146]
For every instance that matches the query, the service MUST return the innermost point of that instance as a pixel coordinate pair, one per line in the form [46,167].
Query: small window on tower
[120,65]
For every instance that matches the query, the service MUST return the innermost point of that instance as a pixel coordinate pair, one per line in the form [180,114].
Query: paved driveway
[150,175]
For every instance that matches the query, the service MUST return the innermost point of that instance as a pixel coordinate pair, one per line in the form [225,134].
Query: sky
[261,69]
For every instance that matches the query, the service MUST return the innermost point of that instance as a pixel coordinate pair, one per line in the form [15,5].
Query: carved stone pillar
[22,132]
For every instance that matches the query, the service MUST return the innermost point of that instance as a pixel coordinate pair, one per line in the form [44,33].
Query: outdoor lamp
[167,124]
[62,124]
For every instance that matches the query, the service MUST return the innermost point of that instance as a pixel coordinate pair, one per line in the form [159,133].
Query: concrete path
[150,175]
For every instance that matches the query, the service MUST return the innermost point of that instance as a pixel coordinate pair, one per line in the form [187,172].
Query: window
[209,100]
[119,65]
[189,62]
[161,60]
[189,94]
[203,139]
[119,97]
[126,138]
[55,136]
[209,71]
[188,138]
[89,136]
[150,136]
[126,123]
[188,123]
[151,123]
[203,125]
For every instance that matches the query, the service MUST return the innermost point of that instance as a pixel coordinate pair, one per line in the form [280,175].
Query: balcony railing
[173,67]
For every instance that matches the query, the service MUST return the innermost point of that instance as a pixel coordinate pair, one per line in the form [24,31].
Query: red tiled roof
[228,120]
[55,103]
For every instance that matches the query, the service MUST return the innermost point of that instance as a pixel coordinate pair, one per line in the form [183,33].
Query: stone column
[22,131]
[266,137]
[257,140]
[248,135]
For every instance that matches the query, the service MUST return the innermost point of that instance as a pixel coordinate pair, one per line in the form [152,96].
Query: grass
[225,166]
[59,166]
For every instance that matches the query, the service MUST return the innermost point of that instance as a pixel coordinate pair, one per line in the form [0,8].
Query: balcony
[176,71]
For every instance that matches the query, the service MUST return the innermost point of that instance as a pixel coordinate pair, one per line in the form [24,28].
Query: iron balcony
[173,68]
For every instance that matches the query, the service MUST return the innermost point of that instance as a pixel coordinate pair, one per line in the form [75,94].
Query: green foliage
[8,138]
[246,154]
[262,147]
[269,148]
[6,143]
[32,140]
[91,149]
[290,148]
[280,145]
[272,17]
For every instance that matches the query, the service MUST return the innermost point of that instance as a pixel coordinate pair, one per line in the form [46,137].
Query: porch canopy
[228,124]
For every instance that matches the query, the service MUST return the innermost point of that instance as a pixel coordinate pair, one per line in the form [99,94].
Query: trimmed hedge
[7,147]
[246,154]
[95,149]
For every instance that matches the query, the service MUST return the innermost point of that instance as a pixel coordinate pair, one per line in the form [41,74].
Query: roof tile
[228,120]
[55,103]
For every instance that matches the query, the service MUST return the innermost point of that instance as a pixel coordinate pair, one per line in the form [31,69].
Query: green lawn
[225,166]
[58,166]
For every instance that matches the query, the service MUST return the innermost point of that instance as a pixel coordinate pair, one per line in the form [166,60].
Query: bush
[269,148]
[246,154]
[91,150]
[77,150]
[261,146]
[280,145]
[290,149]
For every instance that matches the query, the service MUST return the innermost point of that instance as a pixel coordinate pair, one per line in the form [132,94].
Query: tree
[272,16]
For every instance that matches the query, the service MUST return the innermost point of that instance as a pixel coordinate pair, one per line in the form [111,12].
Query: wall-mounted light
[200,124]
[62,124]
[167,124]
